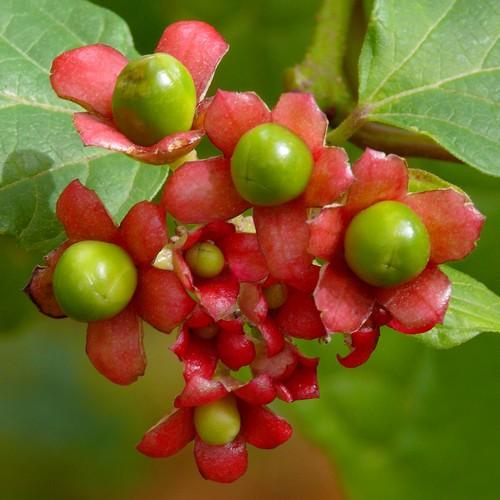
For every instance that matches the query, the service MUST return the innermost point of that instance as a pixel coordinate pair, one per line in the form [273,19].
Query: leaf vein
[26,56]
[414,51]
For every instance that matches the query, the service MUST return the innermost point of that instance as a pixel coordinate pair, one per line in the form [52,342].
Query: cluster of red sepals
[284,248]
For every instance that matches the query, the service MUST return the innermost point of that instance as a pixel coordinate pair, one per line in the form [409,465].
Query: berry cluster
[288,242]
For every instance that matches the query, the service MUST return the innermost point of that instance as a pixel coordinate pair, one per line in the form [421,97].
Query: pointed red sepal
[169,435]
[283,235]
[182,270]
[203,191]
[418,305]
[362,345]
[143,232]
[378,177]
[100,132]
[298,316]
[330,179]
[198,46]
[453,223]
[219,295]
[200,391]
[344,301]
[273,338]
[198,318]
[234,349]
[259,391]
[262,428]
[115,347]
[223,464]
[278,367]
[327,233]
[302,383]
[230,115]
[83,214]
[161,299]
[299,112]
[87,75]
[252,303]
[243,255]
[39,289]
[198,355]
[216,231]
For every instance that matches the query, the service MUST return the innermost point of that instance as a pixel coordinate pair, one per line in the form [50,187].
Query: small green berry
[275,295]
[387,244]
[219,422]
[94,280]
[205,260]
[154,97]
[271,165]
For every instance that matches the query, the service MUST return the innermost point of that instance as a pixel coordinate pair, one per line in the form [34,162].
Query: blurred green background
[412,424]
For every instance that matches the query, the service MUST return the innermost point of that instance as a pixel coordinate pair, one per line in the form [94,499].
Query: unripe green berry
[154,97]
[275,295]
[94,280]
[218,423]
[205,260]
[271,165]
[387,244]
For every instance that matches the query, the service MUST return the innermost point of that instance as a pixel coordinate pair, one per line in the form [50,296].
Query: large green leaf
[473,309]
[433,67]
[40,152]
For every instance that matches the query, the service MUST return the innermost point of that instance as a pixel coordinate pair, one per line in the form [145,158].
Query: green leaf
[422,180]
[40,152]
[473,309]
[433,67]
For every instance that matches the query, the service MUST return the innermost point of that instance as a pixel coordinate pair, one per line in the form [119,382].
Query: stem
[322,71]
[347,128]
[399,141]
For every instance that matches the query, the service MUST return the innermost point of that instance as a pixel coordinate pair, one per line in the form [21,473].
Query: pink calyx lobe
[87,76]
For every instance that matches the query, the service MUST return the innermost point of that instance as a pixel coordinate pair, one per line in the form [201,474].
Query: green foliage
[433,67]
[473,309]
[413,423]
[40,151]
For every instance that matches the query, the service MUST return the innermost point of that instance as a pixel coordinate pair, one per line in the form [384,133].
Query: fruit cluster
[288,242]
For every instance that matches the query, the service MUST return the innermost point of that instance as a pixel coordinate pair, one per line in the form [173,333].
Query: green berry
[154,97]
[218,423]
[275,295]
[94,280]
[387,244]
[205,260]
[270,165]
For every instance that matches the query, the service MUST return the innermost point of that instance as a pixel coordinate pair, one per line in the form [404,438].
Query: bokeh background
[412,424]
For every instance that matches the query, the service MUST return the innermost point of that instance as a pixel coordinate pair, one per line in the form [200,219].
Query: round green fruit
[275,295]
[387,244]
[205,260]
[94,280]
[154,97]
[271,165]
[219,422]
